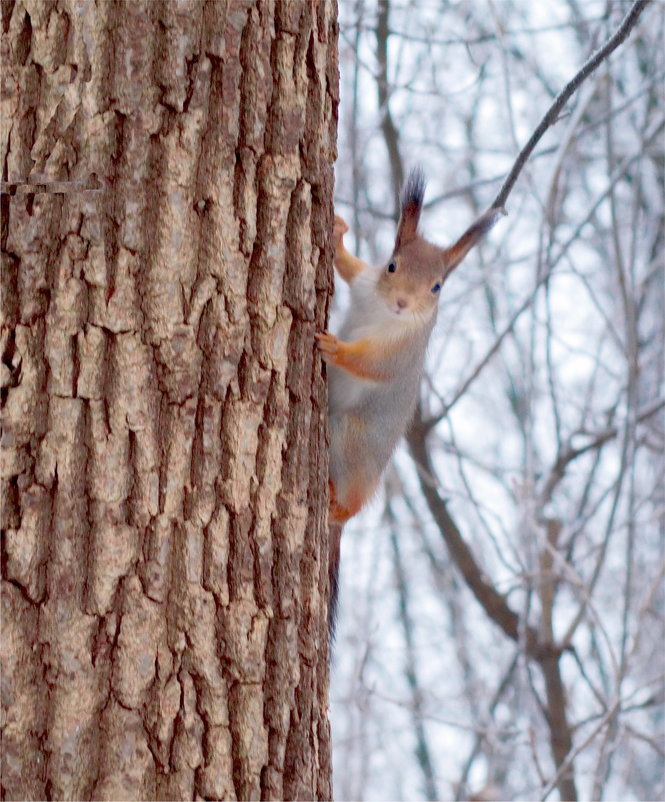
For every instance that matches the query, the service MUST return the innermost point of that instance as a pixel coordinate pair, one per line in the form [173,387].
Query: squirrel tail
[334,538]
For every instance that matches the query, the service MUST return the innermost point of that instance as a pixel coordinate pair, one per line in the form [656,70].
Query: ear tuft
[412,198]
[413,192]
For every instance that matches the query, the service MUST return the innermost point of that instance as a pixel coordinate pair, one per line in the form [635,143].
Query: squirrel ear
[455,254]
[412,204]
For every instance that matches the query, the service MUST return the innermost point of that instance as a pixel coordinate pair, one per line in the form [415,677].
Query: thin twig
[552,115]
[563,768]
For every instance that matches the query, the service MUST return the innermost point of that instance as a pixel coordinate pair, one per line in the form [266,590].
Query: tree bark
[167,180]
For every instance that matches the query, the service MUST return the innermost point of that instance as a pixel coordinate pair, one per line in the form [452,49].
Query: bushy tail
[334,538]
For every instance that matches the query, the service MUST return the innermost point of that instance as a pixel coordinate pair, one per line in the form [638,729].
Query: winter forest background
[544,407]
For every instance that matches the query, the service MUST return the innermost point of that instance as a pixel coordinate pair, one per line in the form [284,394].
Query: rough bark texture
[164,461]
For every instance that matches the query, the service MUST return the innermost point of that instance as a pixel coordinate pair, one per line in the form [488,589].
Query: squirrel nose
[401,303]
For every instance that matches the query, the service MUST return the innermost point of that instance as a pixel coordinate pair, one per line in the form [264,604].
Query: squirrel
[375,365]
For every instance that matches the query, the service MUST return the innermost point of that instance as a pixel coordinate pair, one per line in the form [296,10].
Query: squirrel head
[411,281]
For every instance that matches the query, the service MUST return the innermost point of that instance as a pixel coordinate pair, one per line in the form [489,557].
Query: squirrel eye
[436,288]
[392,267]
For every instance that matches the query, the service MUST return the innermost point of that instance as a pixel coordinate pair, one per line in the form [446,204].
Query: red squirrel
[375,365]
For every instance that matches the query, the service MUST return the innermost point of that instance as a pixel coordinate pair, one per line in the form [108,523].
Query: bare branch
[388,127]
[422,748]
[565,766]
[552,115]
[597,439]
[493,602]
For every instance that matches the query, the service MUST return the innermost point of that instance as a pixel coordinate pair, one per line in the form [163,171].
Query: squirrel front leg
[364,358]
[347,265]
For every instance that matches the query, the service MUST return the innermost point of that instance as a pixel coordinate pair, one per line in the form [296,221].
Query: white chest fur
[370,317]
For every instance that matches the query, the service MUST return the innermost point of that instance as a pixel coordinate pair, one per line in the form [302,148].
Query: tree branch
[552,115]
[390,134]
[422,749]
[544,652]
[493,602]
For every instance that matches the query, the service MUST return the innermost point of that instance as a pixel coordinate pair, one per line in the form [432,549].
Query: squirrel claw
[328,345]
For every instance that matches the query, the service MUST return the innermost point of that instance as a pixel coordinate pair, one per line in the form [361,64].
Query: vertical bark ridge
[164,557]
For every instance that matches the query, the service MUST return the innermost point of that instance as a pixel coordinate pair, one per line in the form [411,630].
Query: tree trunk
[166,213]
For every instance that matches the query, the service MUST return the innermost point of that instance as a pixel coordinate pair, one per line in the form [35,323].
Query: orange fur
[365,358]
[348,266]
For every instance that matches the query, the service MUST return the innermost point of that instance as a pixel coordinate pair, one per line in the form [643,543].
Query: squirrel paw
[328,345]
[339,230]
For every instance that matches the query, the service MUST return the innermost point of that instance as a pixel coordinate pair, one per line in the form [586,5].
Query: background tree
[166,209]
[507,634]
